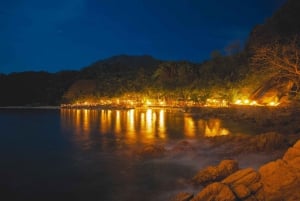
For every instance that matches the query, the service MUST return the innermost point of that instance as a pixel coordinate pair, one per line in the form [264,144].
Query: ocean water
[94,155]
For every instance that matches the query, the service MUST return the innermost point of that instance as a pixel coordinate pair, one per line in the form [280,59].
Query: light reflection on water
[139,126]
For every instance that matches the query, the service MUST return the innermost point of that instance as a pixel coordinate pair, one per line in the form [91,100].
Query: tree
[279,61]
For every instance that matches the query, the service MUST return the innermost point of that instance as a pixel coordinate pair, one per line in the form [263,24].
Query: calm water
[91,155]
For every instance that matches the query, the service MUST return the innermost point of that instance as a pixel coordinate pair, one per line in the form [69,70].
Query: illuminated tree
[279,61]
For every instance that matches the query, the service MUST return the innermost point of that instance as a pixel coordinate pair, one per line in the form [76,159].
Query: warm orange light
[246,101]
[238,102]
[253,103]
[273,103]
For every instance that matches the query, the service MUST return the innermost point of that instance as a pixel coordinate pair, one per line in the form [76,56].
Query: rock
[297,145]
[215,173]
[276,180]
[183,146]
[183,196]
[215,192]
[292,152]
[281,178]
[241,191]
[244,183]
[268,142]
[152,151]
[246,177]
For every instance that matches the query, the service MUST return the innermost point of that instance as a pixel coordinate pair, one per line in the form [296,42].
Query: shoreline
[30,107]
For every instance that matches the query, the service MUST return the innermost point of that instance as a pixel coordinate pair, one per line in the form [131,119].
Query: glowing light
[118,122]
[211,102]
[238,102]
[246,101]
[253,103]
[162,103]
[148,103]
[213,128]
[161,125]
[189,127]
[273,103]
[149,124]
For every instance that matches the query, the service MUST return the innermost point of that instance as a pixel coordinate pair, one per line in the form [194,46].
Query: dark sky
[53,35]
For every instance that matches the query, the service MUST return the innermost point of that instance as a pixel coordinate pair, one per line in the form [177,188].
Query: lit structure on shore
[129,103]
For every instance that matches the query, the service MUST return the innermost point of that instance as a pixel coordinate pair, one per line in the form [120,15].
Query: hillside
[223,77]
[282,26]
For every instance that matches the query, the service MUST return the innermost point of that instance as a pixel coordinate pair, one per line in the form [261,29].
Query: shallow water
[91,154]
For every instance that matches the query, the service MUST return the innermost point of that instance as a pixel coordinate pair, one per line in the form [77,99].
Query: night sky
[53,35]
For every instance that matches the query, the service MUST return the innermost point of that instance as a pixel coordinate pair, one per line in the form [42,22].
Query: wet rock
[269,141]
[183,196]
[182,146]
[151,151]
[215,173]
[215,192]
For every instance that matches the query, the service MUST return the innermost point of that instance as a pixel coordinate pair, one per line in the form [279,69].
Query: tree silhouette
[279,61]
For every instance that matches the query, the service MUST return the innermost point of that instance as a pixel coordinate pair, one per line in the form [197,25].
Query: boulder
[215,192]
[245,177]
[215,173]
[281,178]
[292,153]
[276,180]
[244,183]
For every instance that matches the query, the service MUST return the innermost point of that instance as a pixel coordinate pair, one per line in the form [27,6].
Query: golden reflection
[105,121]
[213,128]
[86,121]
[130,131]
[118,122]
[79,121]
[161,125]
[189,127]
[149,124]
[137,126]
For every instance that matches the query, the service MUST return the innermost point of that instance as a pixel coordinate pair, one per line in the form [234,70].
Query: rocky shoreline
[276,180]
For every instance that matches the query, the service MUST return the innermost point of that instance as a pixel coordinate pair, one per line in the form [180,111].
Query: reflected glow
[131,135]
[161,124]
[105,121]
[189,127]
[213,128]
[86,121]
[136,126]
[118,122]
[273,103]
[149,125]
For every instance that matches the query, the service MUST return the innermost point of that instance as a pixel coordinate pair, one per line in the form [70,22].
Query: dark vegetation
[271,55]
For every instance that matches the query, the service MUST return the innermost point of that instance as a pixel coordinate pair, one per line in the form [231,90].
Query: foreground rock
[215,173]
[281,178]
[277,180]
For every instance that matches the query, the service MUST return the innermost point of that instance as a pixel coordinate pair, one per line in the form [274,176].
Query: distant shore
[31,107]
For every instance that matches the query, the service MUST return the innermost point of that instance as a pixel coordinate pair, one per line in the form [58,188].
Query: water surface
[91,154]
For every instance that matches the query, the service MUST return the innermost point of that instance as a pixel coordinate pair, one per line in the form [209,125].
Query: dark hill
[282,26]
[121,64]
